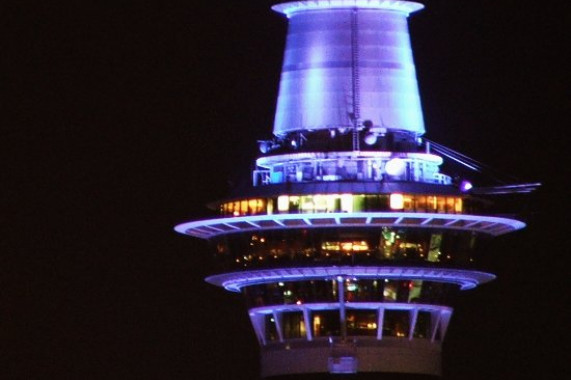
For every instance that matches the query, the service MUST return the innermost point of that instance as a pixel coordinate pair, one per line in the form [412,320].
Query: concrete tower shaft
[347,61]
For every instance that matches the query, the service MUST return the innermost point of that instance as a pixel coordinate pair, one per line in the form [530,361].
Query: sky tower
[350,245]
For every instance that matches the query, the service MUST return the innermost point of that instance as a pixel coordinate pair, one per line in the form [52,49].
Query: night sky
[122,119]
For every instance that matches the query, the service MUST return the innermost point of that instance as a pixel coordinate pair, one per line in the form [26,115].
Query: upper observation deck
[367,166]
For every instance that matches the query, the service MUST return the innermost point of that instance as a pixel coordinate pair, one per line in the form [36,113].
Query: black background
[122,119]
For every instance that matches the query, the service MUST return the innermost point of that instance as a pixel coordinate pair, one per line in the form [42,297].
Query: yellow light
[458,205]
[330,246]
[397,201]
[360,246]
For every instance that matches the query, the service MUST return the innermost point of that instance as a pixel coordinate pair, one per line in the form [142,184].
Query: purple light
[317,85]
[404,7]
[220,226]
[465,186]
[266,310]
[466,279]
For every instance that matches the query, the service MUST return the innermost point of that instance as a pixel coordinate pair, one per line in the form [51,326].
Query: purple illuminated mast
[350,245]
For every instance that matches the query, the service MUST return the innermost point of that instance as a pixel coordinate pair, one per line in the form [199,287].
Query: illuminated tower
[350,244]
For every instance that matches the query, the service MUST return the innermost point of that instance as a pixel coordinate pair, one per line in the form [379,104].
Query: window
[326,323]
[422,327]
[271,330]
[293,325]
[396,323]
[361,322]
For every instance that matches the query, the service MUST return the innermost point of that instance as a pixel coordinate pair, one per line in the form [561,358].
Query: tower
[350,245]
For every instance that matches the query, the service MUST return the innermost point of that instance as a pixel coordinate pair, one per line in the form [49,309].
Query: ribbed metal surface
[347,64]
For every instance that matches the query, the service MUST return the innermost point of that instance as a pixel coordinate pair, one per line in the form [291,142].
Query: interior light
[347,202]
[397,201]
[283,203]
[370,138]
[395,167]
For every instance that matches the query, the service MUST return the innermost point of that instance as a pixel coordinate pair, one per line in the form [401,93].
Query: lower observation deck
[440,318]
[209,228]
[466,279]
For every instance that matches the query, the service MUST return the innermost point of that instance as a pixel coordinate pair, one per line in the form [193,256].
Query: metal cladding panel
[331,52]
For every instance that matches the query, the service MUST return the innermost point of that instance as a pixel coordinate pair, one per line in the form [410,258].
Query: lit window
[407,202]
[283,203]
[307,203]
[347,203]
[320,202]
[450,204]
[397,201]
[330,199]
[458,205]
[441,204]
[421,203]
[431,203]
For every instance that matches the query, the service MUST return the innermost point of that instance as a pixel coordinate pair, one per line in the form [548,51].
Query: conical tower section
[346,63]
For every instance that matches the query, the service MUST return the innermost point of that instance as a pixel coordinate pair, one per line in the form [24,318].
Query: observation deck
[359,166]
[473,223]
